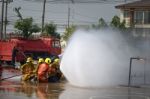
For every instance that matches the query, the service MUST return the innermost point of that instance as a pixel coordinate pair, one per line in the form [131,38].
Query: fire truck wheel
[8,62]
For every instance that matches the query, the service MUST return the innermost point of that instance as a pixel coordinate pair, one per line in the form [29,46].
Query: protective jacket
[27,71]
[43,70]
[54,73]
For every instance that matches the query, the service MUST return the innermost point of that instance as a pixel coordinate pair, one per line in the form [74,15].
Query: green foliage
[57,35]
[101,24]
[117,24]
[122,25]
[26,27]
[34,28]
[68,32]
[50,29]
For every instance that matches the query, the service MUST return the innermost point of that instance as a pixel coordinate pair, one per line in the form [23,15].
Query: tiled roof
[136,4]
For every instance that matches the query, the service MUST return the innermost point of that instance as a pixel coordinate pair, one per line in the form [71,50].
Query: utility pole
[2,16]
[5,28]
[68,16]
[43,15]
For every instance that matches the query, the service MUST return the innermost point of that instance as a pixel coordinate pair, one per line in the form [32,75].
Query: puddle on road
[24,90]
[63,90]
[15,89]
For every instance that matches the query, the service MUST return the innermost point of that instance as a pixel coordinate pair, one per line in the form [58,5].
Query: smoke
[96,58]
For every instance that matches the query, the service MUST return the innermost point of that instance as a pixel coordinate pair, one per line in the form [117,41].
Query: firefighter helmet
[41,60]
[29,59]
[56,60]
[48,60]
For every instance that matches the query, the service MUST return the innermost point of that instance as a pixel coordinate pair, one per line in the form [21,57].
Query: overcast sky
[58,13]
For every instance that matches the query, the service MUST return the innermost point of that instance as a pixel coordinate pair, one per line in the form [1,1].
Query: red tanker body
[6,50]
[42,47]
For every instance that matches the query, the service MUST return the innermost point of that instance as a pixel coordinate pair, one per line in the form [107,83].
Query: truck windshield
[56,44]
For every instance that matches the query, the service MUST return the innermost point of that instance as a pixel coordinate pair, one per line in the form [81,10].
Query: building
[136,14]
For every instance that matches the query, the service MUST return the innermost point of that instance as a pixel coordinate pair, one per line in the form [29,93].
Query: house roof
[135,5]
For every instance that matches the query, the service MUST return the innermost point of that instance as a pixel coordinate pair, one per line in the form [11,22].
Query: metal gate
[136,72]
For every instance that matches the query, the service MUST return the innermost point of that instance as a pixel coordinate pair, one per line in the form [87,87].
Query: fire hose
[9,77]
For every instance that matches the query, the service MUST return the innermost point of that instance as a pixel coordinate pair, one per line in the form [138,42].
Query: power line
[76,13]
[81,1]
[38,11]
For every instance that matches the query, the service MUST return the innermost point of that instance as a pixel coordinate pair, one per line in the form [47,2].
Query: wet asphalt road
[28,90]
[13,88]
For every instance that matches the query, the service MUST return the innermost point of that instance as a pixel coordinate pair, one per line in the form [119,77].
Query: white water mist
[96,59]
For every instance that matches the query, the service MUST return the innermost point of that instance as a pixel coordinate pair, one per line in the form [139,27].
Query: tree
[101,24]
[26,27]
[122,25]
[50,29]
[68,32]
[115,23]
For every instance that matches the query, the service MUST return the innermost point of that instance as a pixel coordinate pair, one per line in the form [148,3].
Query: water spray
[96,59]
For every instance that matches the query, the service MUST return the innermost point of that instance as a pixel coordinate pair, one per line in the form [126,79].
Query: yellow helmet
[56,60]
[41,60]
[48,60]
[29,59]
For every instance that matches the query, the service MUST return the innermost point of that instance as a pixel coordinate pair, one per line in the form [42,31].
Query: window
[56,44]
[138,17]
[146,17]
[126,14]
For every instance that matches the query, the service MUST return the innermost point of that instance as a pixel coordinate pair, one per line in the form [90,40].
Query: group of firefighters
[45,71]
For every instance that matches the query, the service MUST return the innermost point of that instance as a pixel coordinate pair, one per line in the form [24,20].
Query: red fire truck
[20,48]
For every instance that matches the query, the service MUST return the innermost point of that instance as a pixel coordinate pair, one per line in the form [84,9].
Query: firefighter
[40,61]
[54,71]
[28,70]
[14,53]
[43,70]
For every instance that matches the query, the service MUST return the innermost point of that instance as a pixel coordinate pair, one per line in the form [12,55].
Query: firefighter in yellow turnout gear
[54,71]
[28,70]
